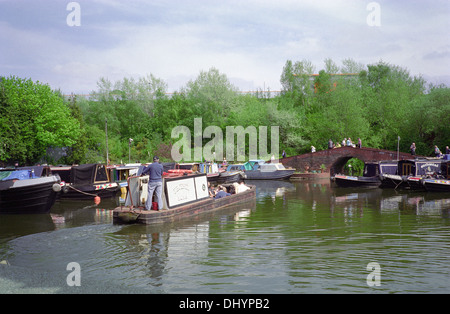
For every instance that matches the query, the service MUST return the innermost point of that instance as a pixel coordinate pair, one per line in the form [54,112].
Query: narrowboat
[442,182]
[28,190]
[183,197]
[87,181]
[370,177]
[120,174]
[260,170]
[410,173]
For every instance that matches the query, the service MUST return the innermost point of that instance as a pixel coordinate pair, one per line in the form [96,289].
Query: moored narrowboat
[370,177]
[28,190]
[87,181]
[410,173]
[260,170]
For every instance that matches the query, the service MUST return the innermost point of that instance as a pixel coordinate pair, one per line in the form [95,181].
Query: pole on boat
[106,133]
[129,149]
[398,147]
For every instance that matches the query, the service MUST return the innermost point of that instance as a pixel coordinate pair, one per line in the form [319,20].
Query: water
[305,237]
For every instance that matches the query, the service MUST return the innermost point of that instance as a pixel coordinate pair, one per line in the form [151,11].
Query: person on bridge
[412,148]
[349,142]
[359,143]
[330,144]
[437,151]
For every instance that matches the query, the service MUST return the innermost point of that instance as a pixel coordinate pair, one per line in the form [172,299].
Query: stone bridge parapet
[335,159]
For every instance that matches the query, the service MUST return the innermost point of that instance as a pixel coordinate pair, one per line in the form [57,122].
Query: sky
[71,46]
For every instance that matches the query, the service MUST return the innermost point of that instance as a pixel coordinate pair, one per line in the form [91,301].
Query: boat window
[389,169]
[370,170]
[407,169]
[100,174]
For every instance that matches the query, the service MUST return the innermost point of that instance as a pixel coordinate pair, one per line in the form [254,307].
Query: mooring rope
[86,193]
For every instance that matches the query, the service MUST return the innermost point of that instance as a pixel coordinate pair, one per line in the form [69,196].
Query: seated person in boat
[241,187]
[211,190]
[222,192]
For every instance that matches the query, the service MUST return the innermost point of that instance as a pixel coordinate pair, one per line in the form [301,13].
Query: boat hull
[351,181]
[229,177]
[32,196]
[401,182]
[270,175]
[438,185]
[126,214]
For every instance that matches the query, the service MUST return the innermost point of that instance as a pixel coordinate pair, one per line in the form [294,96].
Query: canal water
[302,237]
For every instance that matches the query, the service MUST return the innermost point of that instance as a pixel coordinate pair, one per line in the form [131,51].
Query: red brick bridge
[336,158]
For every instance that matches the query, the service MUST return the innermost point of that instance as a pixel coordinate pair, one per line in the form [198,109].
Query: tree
[426,122]
[296,83]
[33,118]
[212,96]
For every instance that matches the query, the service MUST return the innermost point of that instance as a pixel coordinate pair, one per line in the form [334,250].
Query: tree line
[377,103]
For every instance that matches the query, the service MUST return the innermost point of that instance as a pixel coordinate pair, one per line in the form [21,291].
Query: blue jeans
[157,188]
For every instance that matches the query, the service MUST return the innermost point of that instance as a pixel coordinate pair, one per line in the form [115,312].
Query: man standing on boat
[155,171]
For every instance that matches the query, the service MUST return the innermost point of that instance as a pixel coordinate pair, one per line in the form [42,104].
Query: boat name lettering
[429,165]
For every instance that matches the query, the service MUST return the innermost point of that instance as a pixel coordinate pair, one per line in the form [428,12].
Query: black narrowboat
[411,172]
[370,177]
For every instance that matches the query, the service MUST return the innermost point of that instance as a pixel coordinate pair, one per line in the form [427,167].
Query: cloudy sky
[248,40]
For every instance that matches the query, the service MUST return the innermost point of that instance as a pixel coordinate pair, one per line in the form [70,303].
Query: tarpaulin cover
[85,174]
[82,174]
[18,174]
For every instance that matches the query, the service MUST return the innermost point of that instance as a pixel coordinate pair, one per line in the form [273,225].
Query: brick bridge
[335,159]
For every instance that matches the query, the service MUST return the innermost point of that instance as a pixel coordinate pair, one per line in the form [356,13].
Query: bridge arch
[335,159]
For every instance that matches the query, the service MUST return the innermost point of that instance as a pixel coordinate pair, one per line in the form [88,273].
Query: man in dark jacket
[155,171]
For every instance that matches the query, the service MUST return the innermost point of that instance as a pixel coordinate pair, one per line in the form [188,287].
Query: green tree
[33,118]
[212,96]
[296,82]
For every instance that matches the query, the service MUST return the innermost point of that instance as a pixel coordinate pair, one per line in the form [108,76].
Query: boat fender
[404,179]
[56,187]
[97,200]
[65,189]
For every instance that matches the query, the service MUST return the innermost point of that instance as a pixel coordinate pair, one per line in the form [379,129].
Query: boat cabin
[89,173]
[253,164]
[271,167]
[419,167]
[121,173]
[445,169]
[372,169]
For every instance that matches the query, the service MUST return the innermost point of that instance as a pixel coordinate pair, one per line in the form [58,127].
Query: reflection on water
[302,237]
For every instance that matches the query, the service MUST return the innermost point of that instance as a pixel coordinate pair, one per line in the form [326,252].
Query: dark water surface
[305,237]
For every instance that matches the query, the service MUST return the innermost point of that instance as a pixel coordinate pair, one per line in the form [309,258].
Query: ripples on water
[305,237]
